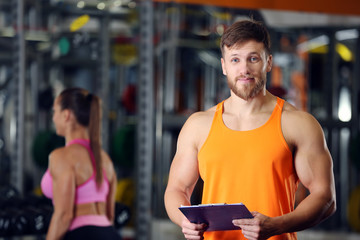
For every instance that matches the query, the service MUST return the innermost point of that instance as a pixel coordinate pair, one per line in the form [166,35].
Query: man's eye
[235,60]
[254,59]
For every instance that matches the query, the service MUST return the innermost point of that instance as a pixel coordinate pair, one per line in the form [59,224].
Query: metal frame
[19,94]
[145,127]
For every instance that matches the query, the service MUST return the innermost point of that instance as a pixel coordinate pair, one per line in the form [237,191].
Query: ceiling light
[101,6]
[81,4]
[117,3]
[132,4]
[347,34]
[313,43]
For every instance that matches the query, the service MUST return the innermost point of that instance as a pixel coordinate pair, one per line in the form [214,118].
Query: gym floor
[166,230]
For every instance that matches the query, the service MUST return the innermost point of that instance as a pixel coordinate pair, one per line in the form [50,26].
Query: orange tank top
[253,167]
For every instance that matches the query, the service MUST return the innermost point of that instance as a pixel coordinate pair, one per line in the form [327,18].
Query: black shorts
[93,233]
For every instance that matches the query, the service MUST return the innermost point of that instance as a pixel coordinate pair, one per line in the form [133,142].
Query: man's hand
[192,230]
[257,228]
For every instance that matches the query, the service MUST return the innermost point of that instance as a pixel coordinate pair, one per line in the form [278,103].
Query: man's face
[245,66]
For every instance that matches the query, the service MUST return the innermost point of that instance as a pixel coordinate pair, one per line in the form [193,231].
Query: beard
[247,91]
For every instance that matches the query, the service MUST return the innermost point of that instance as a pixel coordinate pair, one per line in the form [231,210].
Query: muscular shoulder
[199,121]
[197,127]
[59,161]
[107,164]
[298,125]
[201,118]
[292,115]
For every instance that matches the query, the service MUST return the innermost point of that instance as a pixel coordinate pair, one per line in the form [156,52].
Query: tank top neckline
[278,105]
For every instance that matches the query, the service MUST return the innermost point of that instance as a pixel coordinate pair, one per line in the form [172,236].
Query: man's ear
[269,64]
[223,66]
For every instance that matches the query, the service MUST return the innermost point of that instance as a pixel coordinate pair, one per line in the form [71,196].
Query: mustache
[245,76]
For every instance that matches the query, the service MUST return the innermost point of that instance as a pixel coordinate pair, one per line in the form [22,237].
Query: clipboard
[218,217]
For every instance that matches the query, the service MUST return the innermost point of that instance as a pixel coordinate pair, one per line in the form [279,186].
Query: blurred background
[154,63]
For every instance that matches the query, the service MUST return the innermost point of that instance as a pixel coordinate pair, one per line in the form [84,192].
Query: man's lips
[245,79]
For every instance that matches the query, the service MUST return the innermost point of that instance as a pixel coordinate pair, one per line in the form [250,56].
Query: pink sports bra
[86,192]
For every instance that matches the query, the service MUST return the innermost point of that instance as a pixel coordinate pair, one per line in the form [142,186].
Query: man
[252,148]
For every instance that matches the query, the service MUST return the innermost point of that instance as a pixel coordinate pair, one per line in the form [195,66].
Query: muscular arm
[183,175]
[313,164]
[64,194]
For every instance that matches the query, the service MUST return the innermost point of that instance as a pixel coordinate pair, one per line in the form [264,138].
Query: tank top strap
[279,107]
[280,103]
[219,107]
[218,115]
[82,141]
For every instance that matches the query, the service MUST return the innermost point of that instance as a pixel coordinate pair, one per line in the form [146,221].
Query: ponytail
[95,135]
[87,110]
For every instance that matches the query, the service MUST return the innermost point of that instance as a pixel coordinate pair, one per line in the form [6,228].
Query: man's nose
[243,68]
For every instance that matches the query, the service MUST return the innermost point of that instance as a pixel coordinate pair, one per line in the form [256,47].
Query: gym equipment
[128,99]
[124,53]
[79,22]
[45,142]
[46,99]
[5,76]
[5,224]
[9,192]
[125,192]
[353,209]
[64,46]
[23,215]
[354,150]
[122,215]
[123,146]
[19,222]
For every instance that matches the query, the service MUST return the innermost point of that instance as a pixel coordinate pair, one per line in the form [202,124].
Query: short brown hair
[245,30]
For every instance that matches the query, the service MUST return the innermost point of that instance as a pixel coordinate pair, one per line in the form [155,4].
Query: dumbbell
[5,224]
[10,205]
[13,223]
[28,215]
[38,211]
[122,215]
[19,222]
[38,220]
[9,192]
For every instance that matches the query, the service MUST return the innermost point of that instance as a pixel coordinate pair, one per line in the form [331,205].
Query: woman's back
[89,199]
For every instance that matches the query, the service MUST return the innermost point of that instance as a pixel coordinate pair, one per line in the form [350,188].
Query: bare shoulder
[107,164]
[201,118]
[299,125]
[105,156]
[292,115]
[196,128]
[59,160]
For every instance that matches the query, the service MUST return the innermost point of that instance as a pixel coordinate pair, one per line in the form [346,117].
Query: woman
[80,178]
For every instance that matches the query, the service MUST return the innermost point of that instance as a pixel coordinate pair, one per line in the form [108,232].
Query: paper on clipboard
[218,217]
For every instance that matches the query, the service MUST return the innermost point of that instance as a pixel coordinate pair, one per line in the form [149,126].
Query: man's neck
[238,106]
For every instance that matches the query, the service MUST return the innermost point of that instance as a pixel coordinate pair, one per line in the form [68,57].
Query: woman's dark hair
[245,30]
[87,111]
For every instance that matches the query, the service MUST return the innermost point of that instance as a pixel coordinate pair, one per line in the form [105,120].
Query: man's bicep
[183,175]
[314,169]
[313,161]
[184,171]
